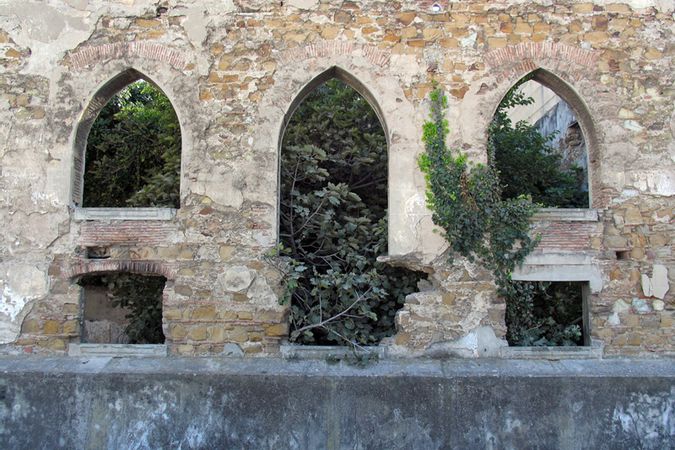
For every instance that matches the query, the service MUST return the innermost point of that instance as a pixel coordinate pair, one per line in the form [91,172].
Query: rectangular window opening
[548,314]
[122,308]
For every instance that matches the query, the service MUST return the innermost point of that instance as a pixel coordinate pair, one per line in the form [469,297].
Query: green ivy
[467,204]
[484,223]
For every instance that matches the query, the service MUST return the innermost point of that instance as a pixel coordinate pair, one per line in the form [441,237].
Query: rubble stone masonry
[235,69]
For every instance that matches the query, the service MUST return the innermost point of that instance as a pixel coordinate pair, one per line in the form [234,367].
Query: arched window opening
[539,147]
[122,308]
[333,220]
[133,148]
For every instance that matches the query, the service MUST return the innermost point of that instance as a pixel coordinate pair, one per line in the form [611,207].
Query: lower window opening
[122,308]
[546,314]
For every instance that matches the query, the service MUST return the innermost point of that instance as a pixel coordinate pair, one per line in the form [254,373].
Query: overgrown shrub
[481,222]
[542,313]
[526,162]
[141,295]
[466,202]
[333,222]
[133,151]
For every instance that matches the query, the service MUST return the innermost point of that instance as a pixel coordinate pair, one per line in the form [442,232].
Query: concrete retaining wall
[217,403]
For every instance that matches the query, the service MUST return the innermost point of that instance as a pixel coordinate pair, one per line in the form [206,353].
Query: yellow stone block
[50,327]
[245,315]
[406,18]
[541,27]
[71,327]
[216,333]
[147,23]
[280,329]
[409,32]
[618,8]
[496,42]
[177,332]
[523,28]
[582,8]
[198,333]
[596,37]
[330,32]
[432,33]
[204,312]
[12,53]
[30,326]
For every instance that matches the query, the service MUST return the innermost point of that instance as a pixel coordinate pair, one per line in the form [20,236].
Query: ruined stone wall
[234,70]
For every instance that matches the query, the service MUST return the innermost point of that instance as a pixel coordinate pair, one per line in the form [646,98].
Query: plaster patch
[261,293]
[469,41]
[303,4]
[648,418]
[619,307]
[479,342]
[195,25]
[19,285]
[46,31]
[236,279]
[657,285]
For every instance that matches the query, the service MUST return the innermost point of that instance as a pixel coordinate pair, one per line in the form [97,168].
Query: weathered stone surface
[232,70]
[229,403]
[236,279]
[19,284]
[657,285]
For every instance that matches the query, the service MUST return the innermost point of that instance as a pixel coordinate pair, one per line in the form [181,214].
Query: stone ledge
[422,368]
[117,350]
[551,353]
[325,352]
[107,214]
[565,215]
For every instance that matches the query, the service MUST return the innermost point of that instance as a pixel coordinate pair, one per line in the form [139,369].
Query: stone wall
[234,71]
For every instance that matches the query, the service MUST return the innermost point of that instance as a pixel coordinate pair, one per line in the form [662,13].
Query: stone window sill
[117,350]
[326,352]
[107,214]
[551,353]
[565,215]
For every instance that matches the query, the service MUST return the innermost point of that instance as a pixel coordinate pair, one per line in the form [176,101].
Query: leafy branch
[466,202]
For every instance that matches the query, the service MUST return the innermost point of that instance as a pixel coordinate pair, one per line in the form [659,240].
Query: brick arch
[568,71]
[97,102]
[82,268]
[522,58]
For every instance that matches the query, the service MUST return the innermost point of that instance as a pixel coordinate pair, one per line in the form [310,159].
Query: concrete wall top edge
[453,368]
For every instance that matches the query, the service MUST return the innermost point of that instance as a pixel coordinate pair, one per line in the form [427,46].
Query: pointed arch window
[128,147]
[541,140]
[333,216]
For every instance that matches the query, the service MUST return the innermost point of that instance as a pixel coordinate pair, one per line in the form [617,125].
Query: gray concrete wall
[122,403]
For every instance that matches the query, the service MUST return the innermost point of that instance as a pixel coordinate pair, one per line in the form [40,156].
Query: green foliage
[141,295]
[527,164]
[333,222]
[467,204]
[482,222]
[544,314]
[133,151]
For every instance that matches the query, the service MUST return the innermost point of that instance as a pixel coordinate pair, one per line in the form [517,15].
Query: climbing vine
[483,223]
[467,204]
